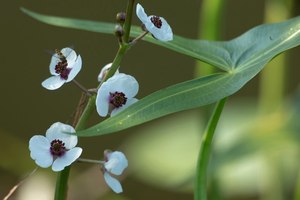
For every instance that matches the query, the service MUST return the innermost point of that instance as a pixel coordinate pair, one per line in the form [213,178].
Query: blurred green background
[256,150]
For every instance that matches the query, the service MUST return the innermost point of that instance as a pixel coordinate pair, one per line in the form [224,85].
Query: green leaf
[240,59]
[258,44]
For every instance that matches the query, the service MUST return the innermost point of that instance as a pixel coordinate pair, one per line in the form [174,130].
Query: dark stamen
[156,21]
[117,99]
[62,70]
[57,148]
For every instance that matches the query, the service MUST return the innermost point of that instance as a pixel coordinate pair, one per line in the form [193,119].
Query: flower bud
[121,17]
[119,32]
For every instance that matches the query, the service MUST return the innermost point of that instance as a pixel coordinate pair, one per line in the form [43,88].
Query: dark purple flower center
[156,21]
[117,99]
[62,70]
[57,148]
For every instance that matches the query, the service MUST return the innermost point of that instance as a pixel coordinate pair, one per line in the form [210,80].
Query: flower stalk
[135,40]
[82,87]
[84,160]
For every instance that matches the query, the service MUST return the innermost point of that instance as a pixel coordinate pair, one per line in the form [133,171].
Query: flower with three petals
[116,94]
[156,25]
[115,163]
[56,149]
[64,66]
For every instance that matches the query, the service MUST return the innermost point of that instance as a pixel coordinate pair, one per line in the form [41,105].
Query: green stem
[205,151]
[61,188]
[63,176]
[127,24]
[123,46]
[116,62]
[88,111]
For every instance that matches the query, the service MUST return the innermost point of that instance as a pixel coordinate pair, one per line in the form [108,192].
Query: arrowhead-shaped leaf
[240,59]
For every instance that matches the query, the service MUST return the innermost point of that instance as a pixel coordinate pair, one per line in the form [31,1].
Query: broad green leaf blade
[246,61]
[259,44]
[203,50]
[241,59]
[182,96]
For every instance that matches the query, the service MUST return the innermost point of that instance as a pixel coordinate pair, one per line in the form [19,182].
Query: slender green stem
[116,62]
[205,151]
[123,46]
[88,111]
[127,24]
[63,176]
[61,188]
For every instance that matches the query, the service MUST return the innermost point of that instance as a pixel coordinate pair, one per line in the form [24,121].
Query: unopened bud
[104,71]
[121,16]
[119,32]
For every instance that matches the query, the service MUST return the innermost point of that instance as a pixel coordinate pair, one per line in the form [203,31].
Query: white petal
[116,163]
[70,54]
[60,131]
[141,13]
[67,159]
[123,83]
[104,70]
[129,102]
[39,143]
[76,67]
[39,151]
[164,33]
[53,83]
[102,100]
[113,183]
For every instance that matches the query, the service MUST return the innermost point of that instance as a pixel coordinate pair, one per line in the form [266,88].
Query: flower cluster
[58,147]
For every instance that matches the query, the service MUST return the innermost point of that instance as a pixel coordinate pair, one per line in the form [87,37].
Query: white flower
[115,164]
[116,94]
[104,71]
[56,149]
[156,25]
[64,66]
